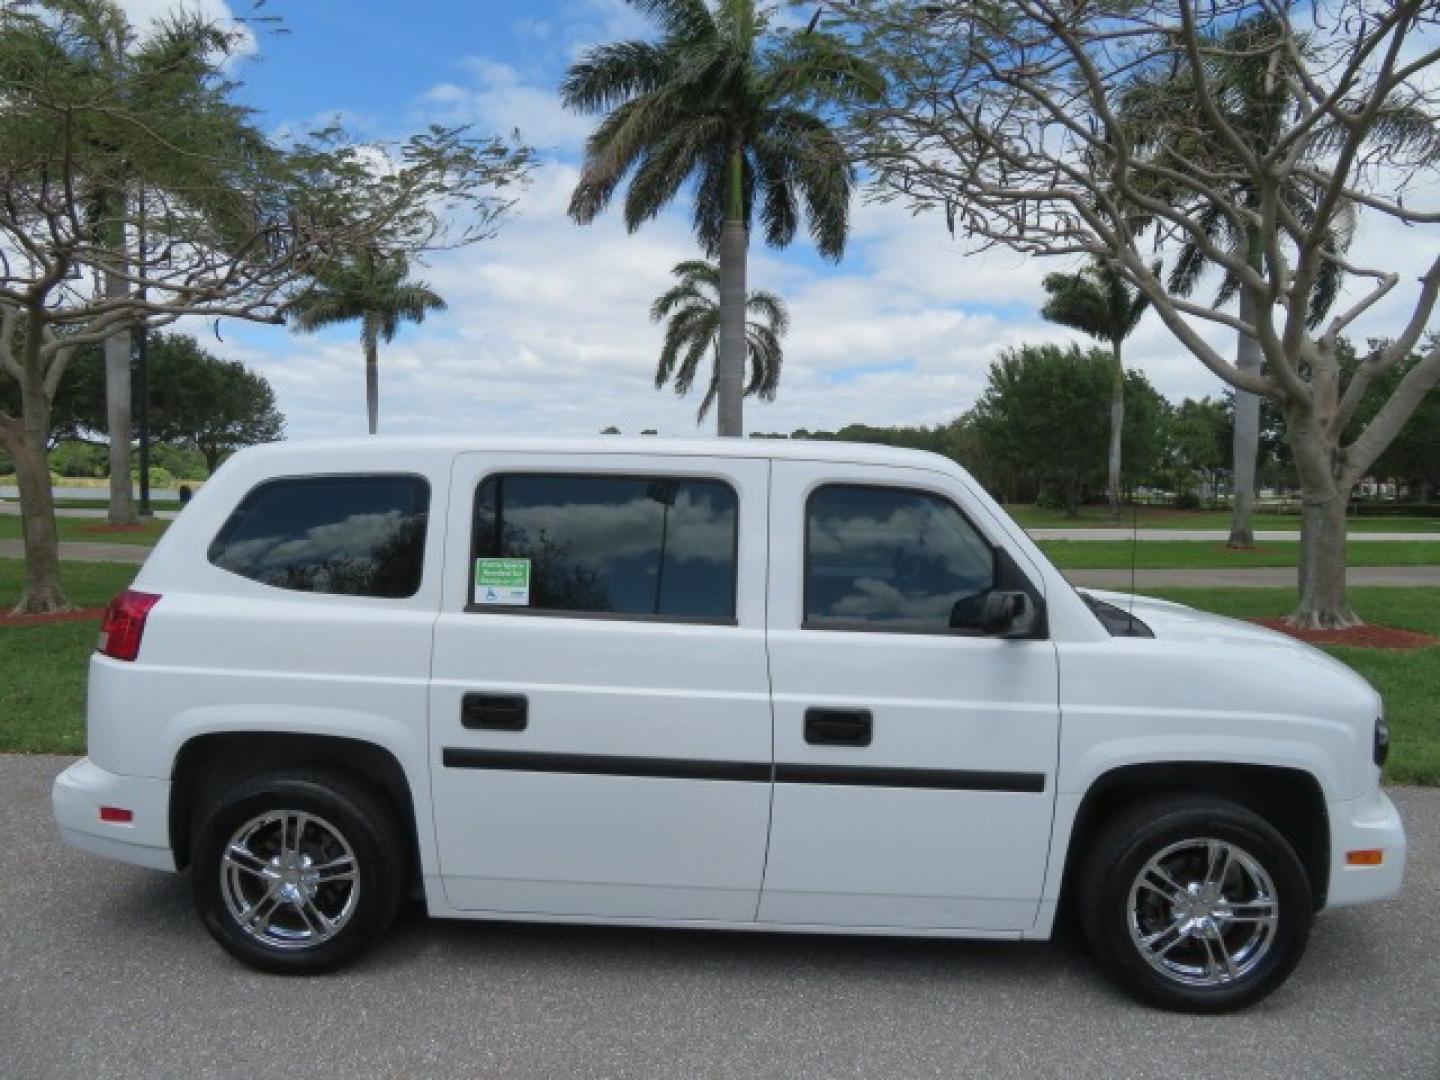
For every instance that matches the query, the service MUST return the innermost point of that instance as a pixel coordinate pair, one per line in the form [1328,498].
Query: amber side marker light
[1368,857]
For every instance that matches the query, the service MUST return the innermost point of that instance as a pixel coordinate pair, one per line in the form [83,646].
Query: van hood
[1176,622]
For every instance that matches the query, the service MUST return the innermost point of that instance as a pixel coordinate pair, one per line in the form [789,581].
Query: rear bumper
[82,789]
[1364,825]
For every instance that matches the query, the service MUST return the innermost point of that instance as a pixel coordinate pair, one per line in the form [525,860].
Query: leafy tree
[737,109]
[693,309]
[1200,442]
[104,138]
[1010,120]
[1036,417]
[215,406]
[1099,301]
[372,290]
[197,400]
[1414,457]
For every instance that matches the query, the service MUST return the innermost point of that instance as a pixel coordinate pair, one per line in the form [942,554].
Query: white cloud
[496,98]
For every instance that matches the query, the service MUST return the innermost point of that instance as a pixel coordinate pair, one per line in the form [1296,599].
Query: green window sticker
[502,581]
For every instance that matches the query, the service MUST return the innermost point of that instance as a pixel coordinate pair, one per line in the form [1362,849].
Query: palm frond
[696,348]
[770,309]
[609,75]
[317,309]
[684,19]
[664,167]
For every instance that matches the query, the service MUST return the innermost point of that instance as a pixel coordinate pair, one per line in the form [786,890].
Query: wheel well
[208,764]
[1289,799]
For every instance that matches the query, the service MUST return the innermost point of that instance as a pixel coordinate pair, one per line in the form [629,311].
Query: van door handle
[494,712]
[838,727]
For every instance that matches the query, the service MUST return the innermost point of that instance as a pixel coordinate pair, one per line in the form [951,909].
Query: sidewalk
[8,506]
[83,551]
[1267,577]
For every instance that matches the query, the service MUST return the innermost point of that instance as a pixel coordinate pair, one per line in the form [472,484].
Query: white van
[736,684]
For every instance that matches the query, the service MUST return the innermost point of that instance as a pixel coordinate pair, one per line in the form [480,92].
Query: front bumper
[82,789]
[1365,825]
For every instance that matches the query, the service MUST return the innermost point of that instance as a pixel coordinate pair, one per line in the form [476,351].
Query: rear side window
[658,547]
[880,558]
[349,535]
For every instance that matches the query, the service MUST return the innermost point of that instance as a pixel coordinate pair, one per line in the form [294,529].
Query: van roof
[391,446]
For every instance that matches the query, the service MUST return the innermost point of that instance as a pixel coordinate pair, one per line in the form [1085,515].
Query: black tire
[339,812]
[1123,848]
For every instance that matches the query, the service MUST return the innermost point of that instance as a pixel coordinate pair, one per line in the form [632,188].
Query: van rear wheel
[298,872]
[1195,904]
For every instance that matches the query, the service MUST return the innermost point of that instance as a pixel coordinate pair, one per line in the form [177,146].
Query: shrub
[79,459]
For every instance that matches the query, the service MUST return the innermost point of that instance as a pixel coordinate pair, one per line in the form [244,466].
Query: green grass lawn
[1165,517]
[1168,554]
[89,529]
[42,668]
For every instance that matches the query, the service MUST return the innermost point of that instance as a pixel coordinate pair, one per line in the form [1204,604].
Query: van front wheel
[298,872]
[1195,903]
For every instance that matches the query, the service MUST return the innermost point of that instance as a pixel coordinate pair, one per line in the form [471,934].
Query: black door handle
[494,712]
[838,727]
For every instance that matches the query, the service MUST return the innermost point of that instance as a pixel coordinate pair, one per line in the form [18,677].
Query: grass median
[42,688]
[91,530]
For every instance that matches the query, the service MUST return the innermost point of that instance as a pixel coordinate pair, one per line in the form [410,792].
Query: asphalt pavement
[106,973]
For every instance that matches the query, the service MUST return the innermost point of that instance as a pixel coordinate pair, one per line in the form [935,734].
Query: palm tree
[1099,301]
[723,101]
[693,308]
[371,288]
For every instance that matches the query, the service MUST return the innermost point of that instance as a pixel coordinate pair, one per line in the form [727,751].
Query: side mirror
[1008,614]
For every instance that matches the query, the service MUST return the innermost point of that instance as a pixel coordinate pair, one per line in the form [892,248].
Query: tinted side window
[356,535]
[892,559]
[614,544]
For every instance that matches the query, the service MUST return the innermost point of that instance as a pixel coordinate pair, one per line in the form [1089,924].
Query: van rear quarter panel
[222,653]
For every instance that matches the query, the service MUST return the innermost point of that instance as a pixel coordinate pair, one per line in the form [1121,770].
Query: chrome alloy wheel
[1203,912]
[289,879]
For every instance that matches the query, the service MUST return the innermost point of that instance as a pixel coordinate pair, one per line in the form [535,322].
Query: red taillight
[124,623]
[117,815]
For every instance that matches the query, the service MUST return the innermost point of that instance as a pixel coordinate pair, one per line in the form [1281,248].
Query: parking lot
[105,972]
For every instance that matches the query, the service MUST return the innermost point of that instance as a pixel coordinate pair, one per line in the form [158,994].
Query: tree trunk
[1073,490]
[730,373]
[1117,427]
[26,442]
[372,375]
[1324,602]
[1246,446]
[117,378]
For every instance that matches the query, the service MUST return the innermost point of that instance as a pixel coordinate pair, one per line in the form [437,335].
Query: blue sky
[547,330]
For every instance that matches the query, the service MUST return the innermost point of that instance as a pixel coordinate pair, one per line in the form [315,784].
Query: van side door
[915,757]
[600,726]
